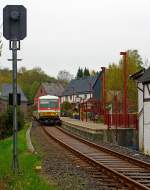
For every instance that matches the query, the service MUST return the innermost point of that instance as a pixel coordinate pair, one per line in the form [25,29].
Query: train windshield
[48,103]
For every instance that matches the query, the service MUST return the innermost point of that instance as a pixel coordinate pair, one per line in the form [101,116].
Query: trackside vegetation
[6,120]
[28,178]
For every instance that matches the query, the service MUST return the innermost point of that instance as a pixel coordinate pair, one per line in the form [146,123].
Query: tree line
[115,79]
[85,73]
[28,79]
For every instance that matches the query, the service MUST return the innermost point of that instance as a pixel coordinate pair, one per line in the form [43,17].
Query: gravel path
[60,167]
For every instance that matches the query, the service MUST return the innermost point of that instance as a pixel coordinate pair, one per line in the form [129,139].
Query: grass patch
[28,179]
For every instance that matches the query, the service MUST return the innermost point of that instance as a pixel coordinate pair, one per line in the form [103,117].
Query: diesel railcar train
[47,109]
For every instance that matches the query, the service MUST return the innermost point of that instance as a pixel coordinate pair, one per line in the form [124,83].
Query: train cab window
[48,103]
[44,104]
[53,104]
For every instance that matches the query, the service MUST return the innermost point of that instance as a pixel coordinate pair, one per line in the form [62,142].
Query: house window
[66,98]
[85,96]
[70,97]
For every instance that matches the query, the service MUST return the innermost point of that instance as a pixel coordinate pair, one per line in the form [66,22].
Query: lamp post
[124,54]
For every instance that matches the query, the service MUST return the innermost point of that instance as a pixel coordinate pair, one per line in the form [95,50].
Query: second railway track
[128,172]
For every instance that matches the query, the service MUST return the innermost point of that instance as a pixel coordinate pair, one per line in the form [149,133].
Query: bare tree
[64,75]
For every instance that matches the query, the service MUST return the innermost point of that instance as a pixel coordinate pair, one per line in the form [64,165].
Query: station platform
[89,126]
[83,125]
[100,132]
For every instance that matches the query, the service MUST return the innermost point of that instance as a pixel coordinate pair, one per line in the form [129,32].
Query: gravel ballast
[59,166]
[64,169]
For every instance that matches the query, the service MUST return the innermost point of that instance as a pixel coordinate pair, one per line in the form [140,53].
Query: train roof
[48,97]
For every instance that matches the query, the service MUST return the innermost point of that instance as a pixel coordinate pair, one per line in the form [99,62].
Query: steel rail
[128,182]
[107,150]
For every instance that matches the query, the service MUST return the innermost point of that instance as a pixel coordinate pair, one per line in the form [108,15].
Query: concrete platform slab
[89,125]
[86,125]
[99,132]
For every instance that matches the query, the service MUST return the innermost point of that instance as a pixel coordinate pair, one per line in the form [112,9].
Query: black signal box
[14,22]
[11,99]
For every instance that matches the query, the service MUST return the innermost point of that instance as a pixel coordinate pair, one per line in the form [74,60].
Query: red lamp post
[125,54]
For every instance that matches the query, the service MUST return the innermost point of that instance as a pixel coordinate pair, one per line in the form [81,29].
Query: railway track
[127,172]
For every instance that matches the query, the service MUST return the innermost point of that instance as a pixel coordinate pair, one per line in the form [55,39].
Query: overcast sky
[66,34]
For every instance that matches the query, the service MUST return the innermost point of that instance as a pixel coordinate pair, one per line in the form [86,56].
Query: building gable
[97,87]
[7,88]
[55,89]
[41,91]
[145,78]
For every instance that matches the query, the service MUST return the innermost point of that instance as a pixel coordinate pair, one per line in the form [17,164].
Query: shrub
[6,121]
[66,109]
[66,106]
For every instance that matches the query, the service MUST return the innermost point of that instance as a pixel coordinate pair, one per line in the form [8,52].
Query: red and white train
[47,109]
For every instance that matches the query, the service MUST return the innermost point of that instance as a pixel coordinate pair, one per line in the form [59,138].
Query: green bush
[66,106]
[6,121]
[66,109]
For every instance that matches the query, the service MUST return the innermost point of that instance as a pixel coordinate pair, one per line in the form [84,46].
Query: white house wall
[146,92]
[73,99]
[147,128]
[146,120]
[140,110]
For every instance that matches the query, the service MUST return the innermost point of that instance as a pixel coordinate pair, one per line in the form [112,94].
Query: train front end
[49,110]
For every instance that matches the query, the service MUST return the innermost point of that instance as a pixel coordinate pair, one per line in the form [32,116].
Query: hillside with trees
[29,80]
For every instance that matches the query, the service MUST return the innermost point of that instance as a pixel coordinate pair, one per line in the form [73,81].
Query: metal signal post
[14,30]
[13,47]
